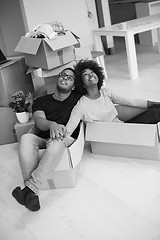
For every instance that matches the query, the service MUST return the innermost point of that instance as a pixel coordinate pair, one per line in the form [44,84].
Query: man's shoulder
[42,98]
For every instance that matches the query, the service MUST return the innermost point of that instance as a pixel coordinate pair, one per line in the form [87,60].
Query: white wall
[71,13]
[11,25]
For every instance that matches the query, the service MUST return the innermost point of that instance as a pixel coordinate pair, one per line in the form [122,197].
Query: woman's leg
[29,153]
[150,116]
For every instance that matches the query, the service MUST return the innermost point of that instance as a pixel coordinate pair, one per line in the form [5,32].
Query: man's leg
[150,116]
[29,147]
[49,161]
[47,164]
[28,159]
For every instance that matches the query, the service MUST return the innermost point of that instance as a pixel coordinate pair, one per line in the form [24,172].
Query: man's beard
[63,90]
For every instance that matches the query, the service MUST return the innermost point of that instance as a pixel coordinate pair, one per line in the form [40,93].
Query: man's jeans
[35,170]
[150,116]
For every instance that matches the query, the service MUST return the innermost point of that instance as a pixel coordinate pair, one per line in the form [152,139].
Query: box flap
[28,45]
[64,163]
[61,41]
[76,149]
[158,130]
[121,133]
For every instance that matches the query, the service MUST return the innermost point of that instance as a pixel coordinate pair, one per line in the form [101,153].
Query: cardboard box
[124,139]
[13,77]
[66,173]
[45,53]
[50,83]
[7,122]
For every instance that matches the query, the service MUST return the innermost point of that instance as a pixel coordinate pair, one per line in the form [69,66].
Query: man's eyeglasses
[65,76]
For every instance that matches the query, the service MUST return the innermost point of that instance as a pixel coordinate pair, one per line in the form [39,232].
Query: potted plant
[21,105]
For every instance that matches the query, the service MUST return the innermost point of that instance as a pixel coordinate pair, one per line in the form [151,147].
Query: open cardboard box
[124,139]
[66,173]
[45,53]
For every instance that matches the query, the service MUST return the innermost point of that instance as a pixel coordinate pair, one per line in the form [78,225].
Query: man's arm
[56,130]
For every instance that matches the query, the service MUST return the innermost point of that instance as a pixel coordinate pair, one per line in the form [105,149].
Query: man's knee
[27,138]
[55,145]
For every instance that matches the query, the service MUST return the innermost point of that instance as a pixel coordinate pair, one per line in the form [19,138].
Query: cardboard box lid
[122,133]
[61,41]
[28,45]
[31,45]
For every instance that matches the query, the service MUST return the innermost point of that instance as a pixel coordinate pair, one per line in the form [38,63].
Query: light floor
[115,198]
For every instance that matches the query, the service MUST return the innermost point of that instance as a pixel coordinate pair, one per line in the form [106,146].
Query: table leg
[131,56]
[158,36]
[97,42]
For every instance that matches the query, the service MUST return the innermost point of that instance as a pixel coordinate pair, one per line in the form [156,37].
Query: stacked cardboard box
[49,55]
[13,77]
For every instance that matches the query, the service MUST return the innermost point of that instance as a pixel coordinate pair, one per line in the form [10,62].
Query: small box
[124,139]
[66,173]
[45,53]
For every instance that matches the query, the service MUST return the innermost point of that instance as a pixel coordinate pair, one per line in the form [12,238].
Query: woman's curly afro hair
[80,67]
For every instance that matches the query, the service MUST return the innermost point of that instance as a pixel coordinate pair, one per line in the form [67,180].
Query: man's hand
[57,131]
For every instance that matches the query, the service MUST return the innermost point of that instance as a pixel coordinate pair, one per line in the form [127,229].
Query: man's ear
[73,87]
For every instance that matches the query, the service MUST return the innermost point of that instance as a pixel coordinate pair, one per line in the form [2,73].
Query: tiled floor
[115,198]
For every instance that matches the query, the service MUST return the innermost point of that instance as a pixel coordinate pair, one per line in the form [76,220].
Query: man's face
[66,81]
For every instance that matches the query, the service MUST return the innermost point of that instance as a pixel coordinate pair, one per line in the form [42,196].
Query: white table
[128,30]
[144,9]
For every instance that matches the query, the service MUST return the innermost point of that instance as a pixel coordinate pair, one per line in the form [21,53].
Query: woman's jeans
[150,116]
[35,170]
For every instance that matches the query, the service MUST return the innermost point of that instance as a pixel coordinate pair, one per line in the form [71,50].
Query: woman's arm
[75,118]
[121,99]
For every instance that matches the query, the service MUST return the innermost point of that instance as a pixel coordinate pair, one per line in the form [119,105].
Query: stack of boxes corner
[13,77]
[124,139]
[50,55]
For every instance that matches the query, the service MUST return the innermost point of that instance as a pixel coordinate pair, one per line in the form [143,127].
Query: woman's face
[89,77]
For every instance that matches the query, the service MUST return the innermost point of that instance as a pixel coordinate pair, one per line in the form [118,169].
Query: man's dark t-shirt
[57,111]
